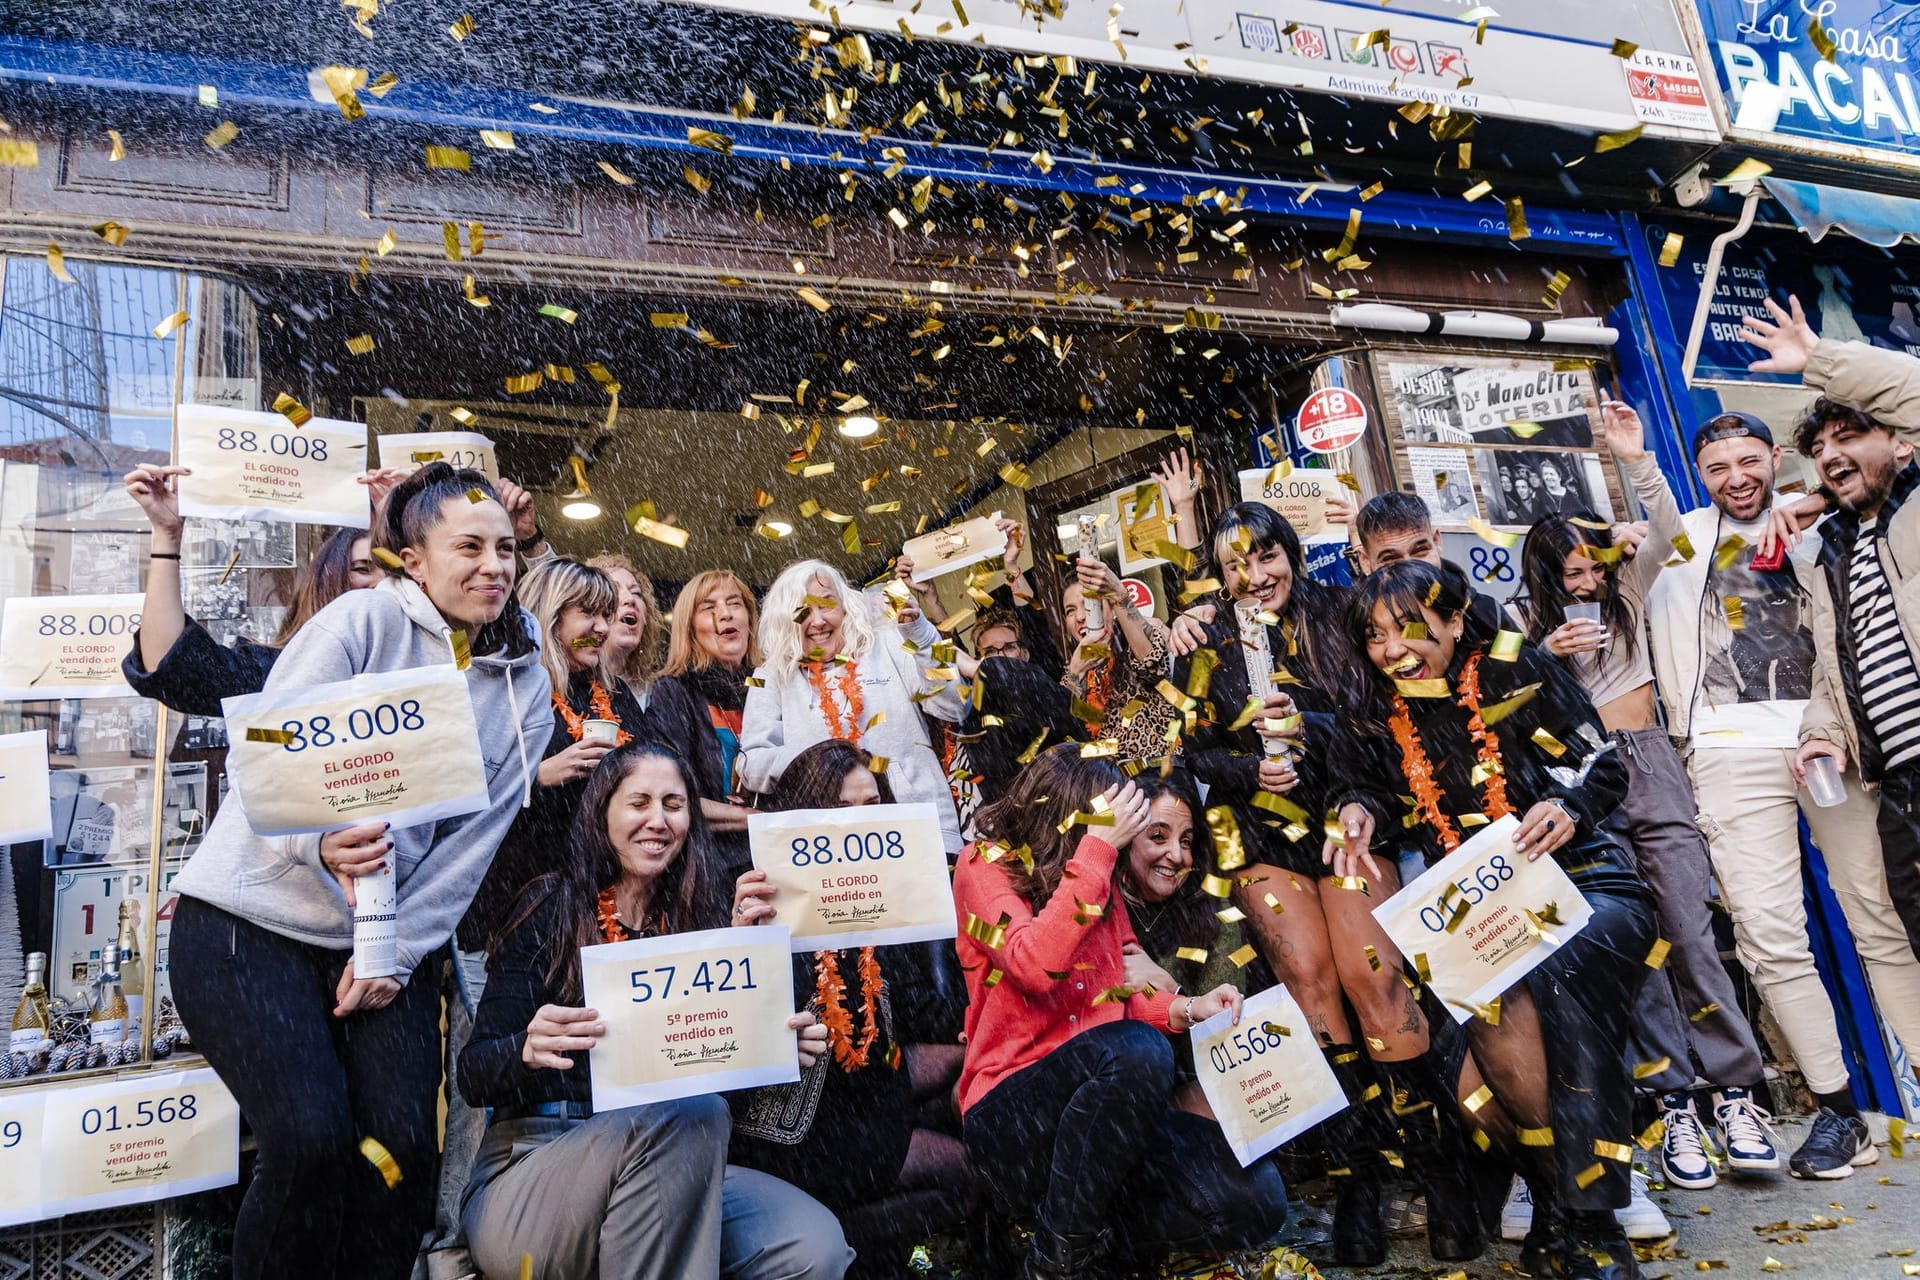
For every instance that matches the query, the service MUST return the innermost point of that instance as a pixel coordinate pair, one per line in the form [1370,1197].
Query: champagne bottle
[1094,611]
[375,899]
[107,1024]
[133,974]
[30,1020]
[1257,651]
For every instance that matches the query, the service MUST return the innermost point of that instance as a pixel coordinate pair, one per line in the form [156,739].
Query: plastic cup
[607,731]
[1587,613]
[1824,782]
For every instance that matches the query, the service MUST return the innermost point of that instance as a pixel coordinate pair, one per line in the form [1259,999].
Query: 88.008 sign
[871,875]
[244,465]
[401,746]
[66,646]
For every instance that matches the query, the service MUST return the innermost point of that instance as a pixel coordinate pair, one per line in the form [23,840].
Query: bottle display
[107,1024]
[32,1024]
[133,971]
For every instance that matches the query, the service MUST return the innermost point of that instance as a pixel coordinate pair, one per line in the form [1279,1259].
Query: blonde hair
[546,591]
[684,653]
[644,662]
[780,634]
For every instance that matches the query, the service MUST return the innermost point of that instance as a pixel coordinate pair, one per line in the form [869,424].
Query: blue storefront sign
[1867,94]
[1848,293]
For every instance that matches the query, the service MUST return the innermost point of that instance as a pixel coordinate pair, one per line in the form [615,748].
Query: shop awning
[601,123]
[1865,215]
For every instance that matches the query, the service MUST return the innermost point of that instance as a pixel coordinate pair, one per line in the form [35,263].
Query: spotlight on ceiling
[859,427]
[580,504]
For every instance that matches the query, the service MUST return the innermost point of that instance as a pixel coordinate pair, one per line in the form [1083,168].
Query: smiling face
[820,627]
[1161,858]
[648,819]
[1858,463]
[1412,648]
[629,615]
[1551,479]
[720,625]
[1263,575]
[580,635]
[466,563]
[1383,549]
[1073,606]
[859,788]
[362,572]
[1583,577]
[1738,475]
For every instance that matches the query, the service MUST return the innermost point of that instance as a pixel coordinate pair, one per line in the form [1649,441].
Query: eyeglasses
[1011,649]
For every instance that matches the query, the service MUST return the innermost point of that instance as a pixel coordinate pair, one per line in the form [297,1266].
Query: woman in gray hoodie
[339,1076]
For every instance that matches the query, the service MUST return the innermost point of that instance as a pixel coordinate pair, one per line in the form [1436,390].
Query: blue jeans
[1088,1136]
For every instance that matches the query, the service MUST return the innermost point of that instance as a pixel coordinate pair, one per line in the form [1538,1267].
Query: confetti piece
[383,1160]
[113,233]
[171,323]
[295,412]
[57,263]
[1657,956]
[1546,742]
[449,158]
[672,535]
[461,27]
[118,148]
[1704,1011]
[698,181]
[497,139]
[1194,955]
[221,134]
[388,559]
[1670,254]
[1431,688]
[990,936]
[279,737]
[462,650]
[1542,1137]
[1822,39]
[18,153]
[521,384]
[1642,1070]
[710,140]
[813,299]
[1736,610]
[1517,219]
[1614,141]
[1748,170]
[209,97]
[1897,1138]
[1624,49]
[361,344]
[1477,1099]
[1477,190]
[558,312]
[1506,647]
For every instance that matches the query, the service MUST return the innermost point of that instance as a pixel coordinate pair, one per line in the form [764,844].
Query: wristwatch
[528,544]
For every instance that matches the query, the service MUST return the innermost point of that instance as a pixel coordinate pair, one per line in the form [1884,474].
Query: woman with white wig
[835,670]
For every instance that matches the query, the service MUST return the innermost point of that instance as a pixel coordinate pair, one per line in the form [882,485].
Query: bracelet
[163,555]
[528,544]
[1188,1014]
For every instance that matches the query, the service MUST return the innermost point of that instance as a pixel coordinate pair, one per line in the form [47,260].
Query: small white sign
[259,466]
[463,450]
[137,1139]
[66,646]
[1265,1076]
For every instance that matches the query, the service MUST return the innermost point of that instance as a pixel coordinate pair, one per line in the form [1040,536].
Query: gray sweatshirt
[279,882]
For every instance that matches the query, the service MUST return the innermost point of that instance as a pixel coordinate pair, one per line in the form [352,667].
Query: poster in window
[1522,486]
[1444,480]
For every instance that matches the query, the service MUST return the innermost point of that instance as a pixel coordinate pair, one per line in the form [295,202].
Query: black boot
[1545,1238]
[1596,1248]
[1057,1258]
[1436,1156]
[1354,1140]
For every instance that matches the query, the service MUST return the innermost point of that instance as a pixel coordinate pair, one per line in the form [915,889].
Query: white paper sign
[947,550]
[398,746]
[1265,1078]
[26,794]
[865,876]
[1483,917]
[1300,496]
[259,466]
[137,1139]
[466,450]
[21,1114]
[66,646]
[691,1014]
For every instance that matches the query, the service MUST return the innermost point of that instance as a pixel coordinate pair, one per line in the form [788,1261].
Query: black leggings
[260,1007]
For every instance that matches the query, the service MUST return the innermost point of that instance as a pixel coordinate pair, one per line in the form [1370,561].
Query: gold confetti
[277,736]
[1430,688]
[1614,141]
[1195,955]
[1477,1099]
[18,153]
[295,412]
[113,233]
[57,263]
[1217,887]
[383,1160]
[1230,853]
[389,559]
[221,134]
[497,139]
[1480,528]
[521,384]
[1624,49]
[1736,612]
[1651,1135]
[698,181]
[1352,884]
[1748,170]
[1669,255]
[1657,955]
[462,27]
[813,299]
[1545,741]
[1642,1070]
[1517,219]
[118,149]
[1822,39]
[615,174]
[1542,1137]
[1244,956]
[448,158]
[647,527]
[171,323]
[1477,190]
[1703,1011]
[1506,646]
[710,140]
[1897,1138]
[1727,552]
[361,344]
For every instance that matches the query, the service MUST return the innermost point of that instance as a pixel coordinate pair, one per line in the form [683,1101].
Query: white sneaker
[1746,1131]
[1683,1150]
[1642,1219]
[1516,1216]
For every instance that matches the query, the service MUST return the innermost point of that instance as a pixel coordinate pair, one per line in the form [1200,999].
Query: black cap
[1731,426]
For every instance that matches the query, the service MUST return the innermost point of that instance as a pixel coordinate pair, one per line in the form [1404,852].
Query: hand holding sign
[871,875]
[948,550]
[239,465]
[1483,918]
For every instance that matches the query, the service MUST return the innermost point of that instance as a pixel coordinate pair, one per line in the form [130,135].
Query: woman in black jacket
[1474,731]
[638,1191]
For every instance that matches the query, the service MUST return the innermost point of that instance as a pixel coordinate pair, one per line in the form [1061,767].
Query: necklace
[1489,772]
[831,990]
[600,703]
[847,682]
[607,912]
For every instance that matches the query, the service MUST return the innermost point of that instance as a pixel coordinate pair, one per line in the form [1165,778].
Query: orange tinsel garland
[600,703]
[831,989]
[608,913]
[1419,769]
[848,683]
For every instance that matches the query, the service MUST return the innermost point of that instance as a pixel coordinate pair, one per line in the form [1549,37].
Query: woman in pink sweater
[1068,1073]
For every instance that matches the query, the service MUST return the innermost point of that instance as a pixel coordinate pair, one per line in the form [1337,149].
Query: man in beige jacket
[1865,703]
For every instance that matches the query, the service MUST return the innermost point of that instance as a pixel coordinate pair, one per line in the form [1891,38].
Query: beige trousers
[1749,806]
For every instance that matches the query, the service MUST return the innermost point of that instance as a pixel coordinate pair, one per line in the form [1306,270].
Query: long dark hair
[1407,588]
[325,579]
[1311,605]
[1187,918]
[685,898]
[814,778]
[1543,562]
[1058,784]
[413,508]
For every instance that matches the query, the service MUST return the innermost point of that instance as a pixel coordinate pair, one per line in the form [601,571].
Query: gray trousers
[642,1193]
[1662,823]
[446,1256]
